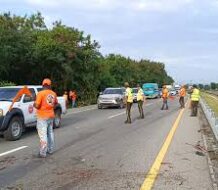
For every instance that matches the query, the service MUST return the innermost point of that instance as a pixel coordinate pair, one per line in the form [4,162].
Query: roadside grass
[211,100]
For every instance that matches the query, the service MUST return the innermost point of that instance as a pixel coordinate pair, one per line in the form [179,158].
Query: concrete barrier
[211,117]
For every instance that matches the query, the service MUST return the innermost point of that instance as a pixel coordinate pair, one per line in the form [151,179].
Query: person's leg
[183,102]
[196,108]
[180,101]
[50,134]
[192,108]
[162,105]
[129,112]
[142,111]
[42,132]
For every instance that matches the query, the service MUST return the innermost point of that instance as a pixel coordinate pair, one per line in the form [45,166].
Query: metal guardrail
[211,117]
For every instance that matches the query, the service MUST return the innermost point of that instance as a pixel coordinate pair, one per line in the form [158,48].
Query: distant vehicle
[177,88]
[111,97]
[23,114]
[151,90]
[134,91]
[169,87]
[173,92]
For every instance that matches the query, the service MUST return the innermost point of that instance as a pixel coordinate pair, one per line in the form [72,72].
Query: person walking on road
[182,94]
[73,98]
[165,95]
[45,102]
[140,101]
[195,97]
[129,101]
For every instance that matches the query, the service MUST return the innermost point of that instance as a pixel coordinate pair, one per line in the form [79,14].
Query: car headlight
[1,112]
[117,99]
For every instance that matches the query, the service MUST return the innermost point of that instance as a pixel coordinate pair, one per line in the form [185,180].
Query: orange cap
[46,82]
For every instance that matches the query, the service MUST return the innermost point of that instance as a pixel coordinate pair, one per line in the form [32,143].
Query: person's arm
[37,103]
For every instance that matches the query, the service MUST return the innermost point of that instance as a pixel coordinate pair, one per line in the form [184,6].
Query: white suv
[22,114]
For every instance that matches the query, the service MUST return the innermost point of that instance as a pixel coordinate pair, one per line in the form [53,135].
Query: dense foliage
[30,51]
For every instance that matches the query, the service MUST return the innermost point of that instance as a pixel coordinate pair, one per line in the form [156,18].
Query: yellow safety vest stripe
[195,96]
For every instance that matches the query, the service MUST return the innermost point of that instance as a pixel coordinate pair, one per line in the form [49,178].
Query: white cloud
[134,5]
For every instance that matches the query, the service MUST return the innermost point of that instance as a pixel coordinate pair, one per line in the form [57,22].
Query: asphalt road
[94,150]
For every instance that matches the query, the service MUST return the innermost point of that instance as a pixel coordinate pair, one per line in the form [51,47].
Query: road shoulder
[185,167]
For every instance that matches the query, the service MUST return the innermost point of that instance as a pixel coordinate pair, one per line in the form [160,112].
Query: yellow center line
[153,172]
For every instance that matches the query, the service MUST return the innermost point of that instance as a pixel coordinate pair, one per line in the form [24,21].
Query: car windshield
[113,91]
[7,94]
[135,90]
[148,89]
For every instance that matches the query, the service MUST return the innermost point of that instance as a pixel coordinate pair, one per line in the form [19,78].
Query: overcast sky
[181,33]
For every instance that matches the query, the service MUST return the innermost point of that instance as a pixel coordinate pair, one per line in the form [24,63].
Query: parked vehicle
[135,91]
[177,88]
[22,114]
[173,92]
[112,97]
[151,90]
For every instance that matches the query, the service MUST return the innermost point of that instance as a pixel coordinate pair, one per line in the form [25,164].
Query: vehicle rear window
[7,94]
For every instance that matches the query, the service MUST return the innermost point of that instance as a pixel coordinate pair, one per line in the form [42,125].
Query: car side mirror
[101,93]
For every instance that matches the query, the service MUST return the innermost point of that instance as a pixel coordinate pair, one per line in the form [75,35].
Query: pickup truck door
[28,109]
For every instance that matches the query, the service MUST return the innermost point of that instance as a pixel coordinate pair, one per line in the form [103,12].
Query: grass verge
[211,100]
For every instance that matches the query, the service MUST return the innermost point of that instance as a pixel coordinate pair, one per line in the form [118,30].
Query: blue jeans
[73,103]
[46,136]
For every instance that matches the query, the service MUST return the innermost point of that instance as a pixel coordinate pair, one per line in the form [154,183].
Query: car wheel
[15,129]
[100,106]
[121,104]
[57,119]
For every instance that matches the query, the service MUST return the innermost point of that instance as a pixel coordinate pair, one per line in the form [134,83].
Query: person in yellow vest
[165,95]
[195,97]
[140,101]
[129,101]
[182,94]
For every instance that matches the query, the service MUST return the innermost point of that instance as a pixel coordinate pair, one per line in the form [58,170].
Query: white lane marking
[81,111]
[124,112]
[13,150]
[117,115]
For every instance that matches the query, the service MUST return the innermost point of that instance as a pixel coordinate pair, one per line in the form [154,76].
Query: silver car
[112,97]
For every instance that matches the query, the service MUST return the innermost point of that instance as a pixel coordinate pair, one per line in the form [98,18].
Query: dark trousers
[194,105]
[140,106]
[165,104]
[182,102]
[128,112]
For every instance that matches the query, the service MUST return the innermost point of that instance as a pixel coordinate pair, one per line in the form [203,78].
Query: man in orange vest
[45,102]
[165,95]
[182,94]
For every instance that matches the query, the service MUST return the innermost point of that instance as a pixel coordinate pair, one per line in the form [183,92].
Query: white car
[22,114]
[111,97]
[173,92]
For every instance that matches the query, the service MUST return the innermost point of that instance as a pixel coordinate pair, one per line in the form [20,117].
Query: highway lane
[94,150]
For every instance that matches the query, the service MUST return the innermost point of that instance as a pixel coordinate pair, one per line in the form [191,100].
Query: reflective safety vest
[195,96]
[165,93]
[140,95]
[129,95]
[182,92]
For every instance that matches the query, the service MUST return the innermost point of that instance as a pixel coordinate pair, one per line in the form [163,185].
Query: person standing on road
[45,102]
[66,98]
[129,101]
[182,94]
[140,101]
[195,97]
[73,98]
[165,95]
